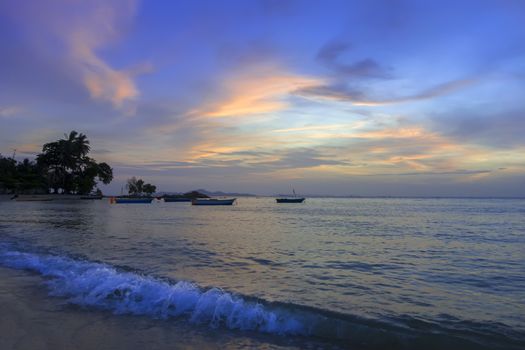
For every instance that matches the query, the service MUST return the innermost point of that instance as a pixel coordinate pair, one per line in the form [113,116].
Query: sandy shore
[29,319]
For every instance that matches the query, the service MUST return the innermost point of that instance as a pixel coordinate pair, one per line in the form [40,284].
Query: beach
[31,320]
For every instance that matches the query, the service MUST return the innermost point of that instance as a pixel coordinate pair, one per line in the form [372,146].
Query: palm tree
[105,173]
[69,168]
[74,148]
[51,159]
[80,142]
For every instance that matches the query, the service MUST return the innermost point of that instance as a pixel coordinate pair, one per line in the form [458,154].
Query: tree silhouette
[137,187]
[21,176]
[68,167]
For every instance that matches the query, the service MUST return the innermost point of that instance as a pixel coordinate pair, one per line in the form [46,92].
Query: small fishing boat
[293,199]
[213,201]
[176,199]
[130,200]
[289,200]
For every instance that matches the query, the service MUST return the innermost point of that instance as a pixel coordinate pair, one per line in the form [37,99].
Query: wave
[102,286]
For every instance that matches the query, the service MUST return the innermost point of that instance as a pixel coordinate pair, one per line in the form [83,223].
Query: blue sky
[330,97]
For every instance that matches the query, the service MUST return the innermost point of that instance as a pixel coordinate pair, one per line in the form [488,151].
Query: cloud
[9,111]
[330,56]
[337,92]
[434,173]
[76,32]
[301,158]
[250,160]
[349,82]
[98,28]
[315,128]
[258,91]
[396,147]
[497,129]
[358,97]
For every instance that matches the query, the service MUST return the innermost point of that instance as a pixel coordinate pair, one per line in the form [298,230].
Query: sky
[369,98]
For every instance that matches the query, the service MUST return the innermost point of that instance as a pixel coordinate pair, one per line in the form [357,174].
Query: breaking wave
[102,286]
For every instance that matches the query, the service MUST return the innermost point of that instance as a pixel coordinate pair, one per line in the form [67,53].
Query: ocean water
[358,273]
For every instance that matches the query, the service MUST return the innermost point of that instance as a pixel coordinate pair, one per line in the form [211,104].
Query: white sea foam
[103,286]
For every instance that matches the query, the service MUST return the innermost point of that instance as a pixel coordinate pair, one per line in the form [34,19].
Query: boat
[213,201]
[176,199]
[290,200]
[130,200]
[293,199]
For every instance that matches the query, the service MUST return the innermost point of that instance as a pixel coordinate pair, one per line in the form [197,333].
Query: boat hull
[213,201]
[133,200]
[174,200]
[290,200]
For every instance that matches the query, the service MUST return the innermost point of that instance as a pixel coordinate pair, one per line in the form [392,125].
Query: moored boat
[213,201]
[130,200]
[293,199]
[176,199]
[289,200]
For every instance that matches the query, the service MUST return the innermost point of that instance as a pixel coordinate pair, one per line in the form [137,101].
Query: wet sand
[30,319]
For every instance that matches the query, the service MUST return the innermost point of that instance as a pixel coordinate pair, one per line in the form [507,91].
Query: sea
[330,273]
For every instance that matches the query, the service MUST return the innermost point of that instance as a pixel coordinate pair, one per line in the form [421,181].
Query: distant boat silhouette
[293,199]
[213,201]
[176,199]
[129,200]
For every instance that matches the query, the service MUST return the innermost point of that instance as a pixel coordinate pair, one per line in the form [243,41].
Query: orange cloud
[318,127]
[83,28]
[412,132]
[256,93]
[97,28]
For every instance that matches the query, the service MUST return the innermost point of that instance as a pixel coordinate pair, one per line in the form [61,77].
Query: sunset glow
[255,96]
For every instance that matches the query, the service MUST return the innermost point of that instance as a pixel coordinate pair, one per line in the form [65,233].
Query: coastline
[41,197]
[30,319]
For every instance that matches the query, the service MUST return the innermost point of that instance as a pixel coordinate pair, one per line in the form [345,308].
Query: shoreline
[30,319]
[41,197]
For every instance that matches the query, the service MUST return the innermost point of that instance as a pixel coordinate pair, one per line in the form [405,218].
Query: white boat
[213,201]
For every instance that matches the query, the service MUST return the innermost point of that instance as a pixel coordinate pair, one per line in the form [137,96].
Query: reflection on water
[428,259]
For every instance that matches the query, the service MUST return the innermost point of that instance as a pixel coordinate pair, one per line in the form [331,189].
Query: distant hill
[224,194]
[209,193]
